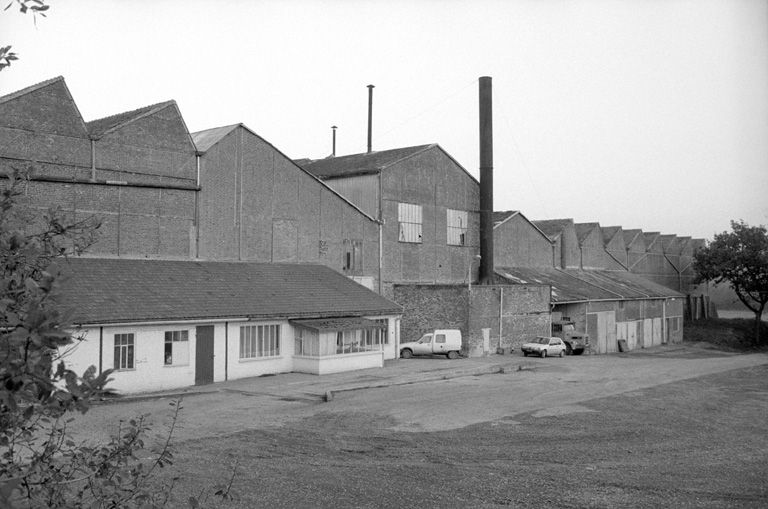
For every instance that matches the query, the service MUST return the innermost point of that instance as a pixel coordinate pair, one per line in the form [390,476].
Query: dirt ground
[673,428]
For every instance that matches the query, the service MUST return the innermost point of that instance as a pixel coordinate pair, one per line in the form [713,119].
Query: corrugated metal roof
[572,285]
[367,162]
[100,126]
[204,140]
[100,290]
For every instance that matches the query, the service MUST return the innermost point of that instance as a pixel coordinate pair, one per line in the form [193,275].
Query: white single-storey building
[164,324]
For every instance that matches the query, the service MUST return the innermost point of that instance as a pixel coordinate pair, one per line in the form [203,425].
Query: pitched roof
[501,216]
[631,235]
[204,140]
[553,228]
[29,89]
[118,290]
[575,285]
[609,232]
[102,126]
[357,164]
[584,229]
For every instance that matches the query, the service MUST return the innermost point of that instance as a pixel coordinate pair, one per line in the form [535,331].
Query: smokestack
[333,146]
[370,117]
[486,181]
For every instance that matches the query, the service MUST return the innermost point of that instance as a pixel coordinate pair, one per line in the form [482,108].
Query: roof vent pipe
[333,146]
[370,118]
[486,181]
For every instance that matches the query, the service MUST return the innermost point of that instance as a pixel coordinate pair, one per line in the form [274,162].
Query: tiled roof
[584,229]
[27,90]
[355,164]
[553,228]
[573,285]
[101,126]
[204,140]
[101,290]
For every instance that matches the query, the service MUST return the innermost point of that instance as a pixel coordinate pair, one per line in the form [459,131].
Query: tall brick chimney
[486,181]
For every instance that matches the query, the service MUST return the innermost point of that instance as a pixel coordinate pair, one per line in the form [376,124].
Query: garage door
[602,327]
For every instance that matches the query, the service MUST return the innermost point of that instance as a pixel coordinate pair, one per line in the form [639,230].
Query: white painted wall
[151,374]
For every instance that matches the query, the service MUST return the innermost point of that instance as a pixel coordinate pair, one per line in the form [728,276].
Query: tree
[740,258]
[34,7]
[40,464]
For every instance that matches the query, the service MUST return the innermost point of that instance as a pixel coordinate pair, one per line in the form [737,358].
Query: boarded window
[409,216]
[353,257]
[457,227]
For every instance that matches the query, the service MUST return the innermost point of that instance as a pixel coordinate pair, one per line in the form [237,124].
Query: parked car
[545,346]
[440,342]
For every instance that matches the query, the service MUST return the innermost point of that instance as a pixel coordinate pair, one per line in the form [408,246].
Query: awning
[339,324]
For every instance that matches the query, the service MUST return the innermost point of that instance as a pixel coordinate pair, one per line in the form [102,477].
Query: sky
[648,114]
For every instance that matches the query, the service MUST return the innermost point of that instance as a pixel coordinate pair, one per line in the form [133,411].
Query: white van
[440,342]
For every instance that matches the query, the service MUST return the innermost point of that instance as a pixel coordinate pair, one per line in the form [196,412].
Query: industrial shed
[428,204]
[134,171]
[608,305]
[256,204]
[164,324]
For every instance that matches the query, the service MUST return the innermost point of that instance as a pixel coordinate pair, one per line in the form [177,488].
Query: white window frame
[260,341]
[457,225]
[410,218]
[125,351]
[178,340]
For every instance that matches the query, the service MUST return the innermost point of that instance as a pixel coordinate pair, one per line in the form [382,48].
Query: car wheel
[562,353]
[568,349]
[543,353]
[453,354]
[578,352]
[525,354]
[406,354]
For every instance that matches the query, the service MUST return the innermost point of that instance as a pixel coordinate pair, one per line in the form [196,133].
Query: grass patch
[733,335]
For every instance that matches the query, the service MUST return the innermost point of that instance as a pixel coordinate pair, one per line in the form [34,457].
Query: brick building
[428,205]
[256,204]
[134,171]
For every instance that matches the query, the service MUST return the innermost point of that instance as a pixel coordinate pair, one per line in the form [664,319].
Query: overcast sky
[647,114]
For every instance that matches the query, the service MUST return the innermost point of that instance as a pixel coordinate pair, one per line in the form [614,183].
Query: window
[353,257]
[124,351]
[409,216]
[384,332]
[176,348]
[440,338]
[259,341]
[457,227]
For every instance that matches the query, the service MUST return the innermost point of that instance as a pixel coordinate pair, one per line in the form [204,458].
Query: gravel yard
[699,442]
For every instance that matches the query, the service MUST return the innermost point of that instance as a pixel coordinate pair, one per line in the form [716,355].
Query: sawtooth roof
[575,285]
[584,229]
[364,163]
[609,232]
[119,290]
[501,216]
[101,126]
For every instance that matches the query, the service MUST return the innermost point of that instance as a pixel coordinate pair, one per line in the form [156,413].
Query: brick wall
[522,311]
